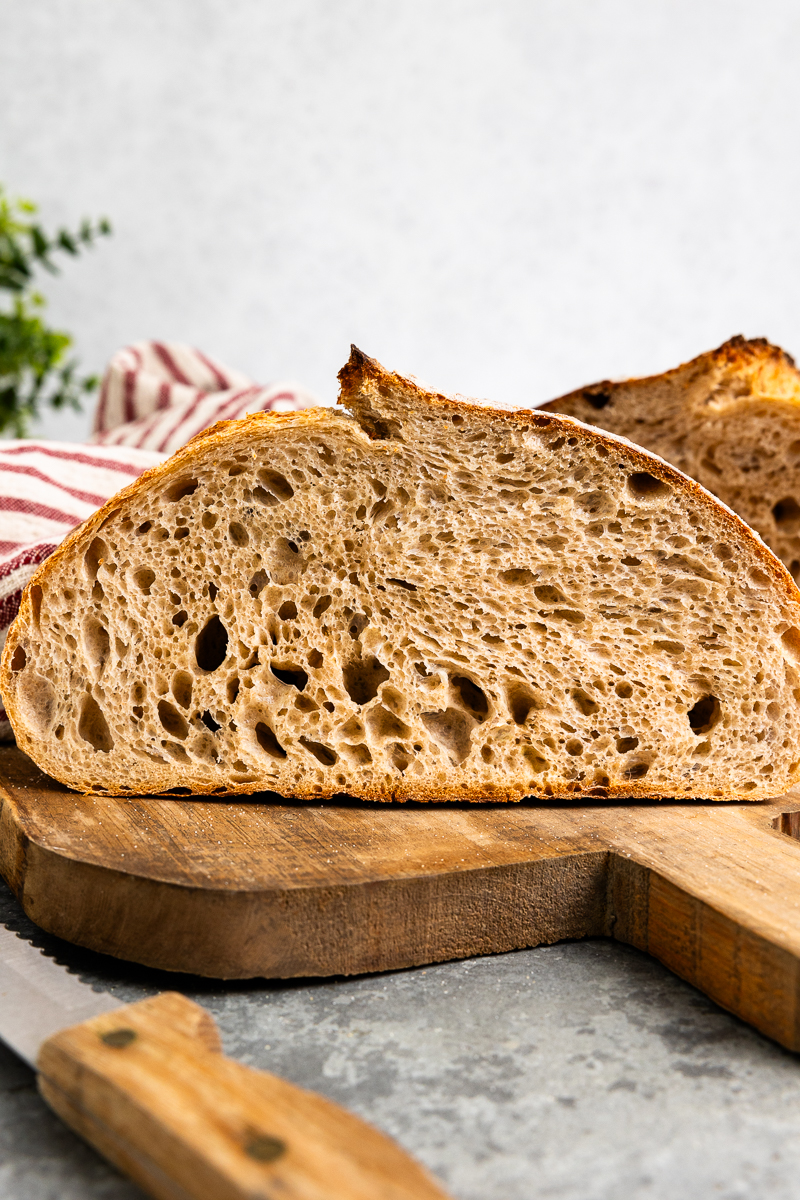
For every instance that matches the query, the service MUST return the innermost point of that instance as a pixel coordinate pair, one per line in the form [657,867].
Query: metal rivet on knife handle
[264,1148]
[118,1038]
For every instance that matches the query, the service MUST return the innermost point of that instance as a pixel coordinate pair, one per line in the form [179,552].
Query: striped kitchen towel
[154,397]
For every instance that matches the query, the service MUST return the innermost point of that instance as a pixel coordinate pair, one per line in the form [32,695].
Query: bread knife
[148,1086]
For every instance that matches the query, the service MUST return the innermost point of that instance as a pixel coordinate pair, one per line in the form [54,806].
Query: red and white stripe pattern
[154,397]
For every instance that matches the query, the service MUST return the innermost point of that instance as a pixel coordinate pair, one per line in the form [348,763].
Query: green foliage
[35,369]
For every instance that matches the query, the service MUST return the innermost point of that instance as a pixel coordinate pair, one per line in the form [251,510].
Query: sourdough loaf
[730,419]
[418,597]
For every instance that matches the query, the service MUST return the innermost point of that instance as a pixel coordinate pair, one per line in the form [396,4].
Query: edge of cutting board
[265,887]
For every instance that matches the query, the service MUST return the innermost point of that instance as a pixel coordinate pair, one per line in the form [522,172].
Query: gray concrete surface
[509,198]
[584,1071]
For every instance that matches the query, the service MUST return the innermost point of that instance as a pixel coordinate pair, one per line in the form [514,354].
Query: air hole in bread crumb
[92,725]
[645,486]
[675,648]
[264,497]
[258,583]
[704,715]
[358,624]
[597,400]
[399,756]
[626,744]
[213,592]
[574,747]
[96,642]
[268,741]
[37,701]
[362,677]
[323,754]
[534,759]
[471,696]
[786,513]
[295,676]
[276,483]
[384,724]
[35,594]
[183,487]
[759,578]
[180,618]
[176,751]
[209,721]
[487,754]
[451,729]
[314,659]
[95,555]
[517,576]
[182,688]
[360,755]
[624,690]
[570,615]
[174,723]
[238,534]
[521,700]
[381,508]
[232,689]
[211,645]
[18,659]
[322,605]
[288,610]
[584,702]
[636,770]
[144,578]
[549,594]
[409,587]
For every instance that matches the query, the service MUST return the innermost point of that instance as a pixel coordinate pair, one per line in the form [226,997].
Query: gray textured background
[508,198]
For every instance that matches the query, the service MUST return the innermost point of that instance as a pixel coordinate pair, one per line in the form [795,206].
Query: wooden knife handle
[149,1087]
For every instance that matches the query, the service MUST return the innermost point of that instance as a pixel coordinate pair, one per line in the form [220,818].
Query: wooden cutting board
[264,887]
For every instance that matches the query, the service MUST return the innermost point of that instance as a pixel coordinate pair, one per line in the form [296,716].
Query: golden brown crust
[767,369]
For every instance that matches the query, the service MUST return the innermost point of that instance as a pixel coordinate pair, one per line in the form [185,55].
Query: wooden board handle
[149,1087]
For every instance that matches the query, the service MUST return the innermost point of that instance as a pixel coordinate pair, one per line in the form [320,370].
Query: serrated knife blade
[38,997]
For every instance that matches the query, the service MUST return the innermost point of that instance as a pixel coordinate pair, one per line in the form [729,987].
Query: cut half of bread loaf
[417,598]
[730,419]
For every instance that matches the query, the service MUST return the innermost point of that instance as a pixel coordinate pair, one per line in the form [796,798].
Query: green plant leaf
[35,371]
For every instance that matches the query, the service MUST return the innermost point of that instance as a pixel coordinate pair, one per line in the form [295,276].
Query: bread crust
[361,377]
[729,418]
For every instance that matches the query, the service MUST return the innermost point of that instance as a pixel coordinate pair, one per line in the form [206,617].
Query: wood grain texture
[269,888]
[148,1087]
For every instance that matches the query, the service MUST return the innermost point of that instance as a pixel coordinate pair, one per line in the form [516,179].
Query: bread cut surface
[418,598]
[730,419]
